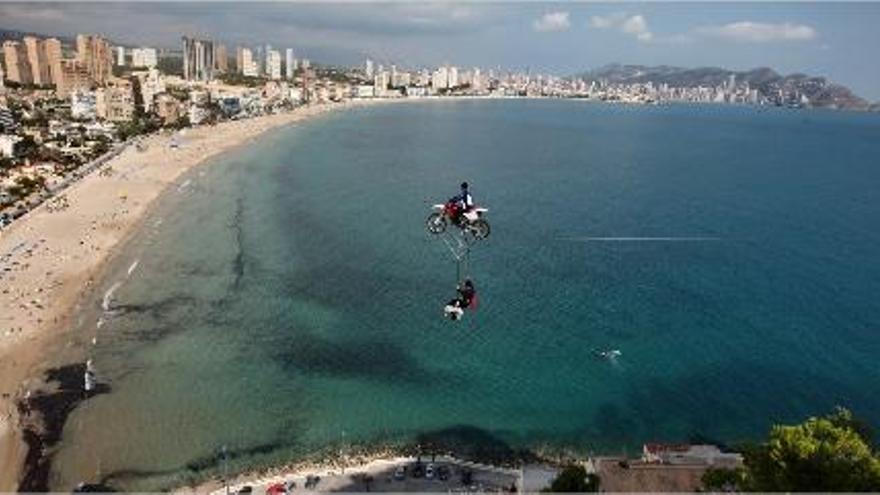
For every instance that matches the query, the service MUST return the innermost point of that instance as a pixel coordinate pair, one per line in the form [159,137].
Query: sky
[834,39]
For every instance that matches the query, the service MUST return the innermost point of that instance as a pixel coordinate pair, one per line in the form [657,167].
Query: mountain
[820,92]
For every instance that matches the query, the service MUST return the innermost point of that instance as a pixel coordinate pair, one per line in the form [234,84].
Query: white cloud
[608,21]
[759,32]
[635,25]
[551,22]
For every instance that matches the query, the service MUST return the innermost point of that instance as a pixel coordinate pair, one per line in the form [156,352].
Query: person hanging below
[466,298]
[463,203]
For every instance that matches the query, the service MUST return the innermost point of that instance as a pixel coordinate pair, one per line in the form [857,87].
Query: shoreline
[50,261]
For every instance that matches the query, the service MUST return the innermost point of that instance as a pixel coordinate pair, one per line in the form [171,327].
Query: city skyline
[558,38]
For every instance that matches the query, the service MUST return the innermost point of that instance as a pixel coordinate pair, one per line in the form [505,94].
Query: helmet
[464,185]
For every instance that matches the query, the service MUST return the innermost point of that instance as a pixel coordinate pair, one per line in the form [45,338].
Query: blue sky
[835,39]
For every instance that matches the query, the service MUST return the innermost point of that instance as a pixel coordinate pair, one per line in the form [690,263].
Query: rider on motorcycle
[462,203]
[466,296]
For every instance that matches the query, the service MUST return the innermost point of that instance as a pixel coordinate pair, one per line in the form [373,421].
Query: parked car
[400,473]
[429,472]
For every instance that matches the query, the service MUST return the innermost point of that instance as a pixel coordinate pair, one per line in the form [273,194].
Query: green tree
[27,147]
[723,480]
[574,478]
[829,453]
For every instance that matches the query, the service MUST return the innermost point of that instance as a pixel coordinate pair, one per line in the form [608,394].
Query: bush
[574,478]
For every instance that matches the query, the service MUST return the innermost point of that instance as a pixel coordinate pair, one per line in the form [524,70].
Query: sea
[285,301]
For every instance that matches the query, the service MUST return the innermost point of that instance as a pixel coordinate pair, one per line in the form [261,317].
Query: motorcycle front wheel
[436,223]
[480,229]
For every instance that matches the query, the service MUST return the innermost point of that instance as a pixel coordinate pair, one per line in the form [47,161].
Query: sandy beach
[50,258]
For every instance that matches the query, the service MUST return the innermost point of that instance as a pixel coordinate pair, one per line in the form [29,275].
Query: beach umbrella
[276,489]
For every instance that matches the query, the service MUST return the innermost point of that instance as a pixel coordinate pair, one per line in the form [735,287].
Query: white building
[120,55]
[305,63]
[399,78]
[144,57]
[7,144]
[248,64]
[477,83]
[152,84]
[197,114]
[380,83]
[440,78]
[416,91]
[452,81]
[273,64]
[368,68]
[289,63]
[83,105]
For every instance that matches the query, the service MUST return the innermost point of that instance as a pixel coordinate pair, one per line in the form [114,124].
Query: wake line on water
[108,296]
[643,239]
[107,300]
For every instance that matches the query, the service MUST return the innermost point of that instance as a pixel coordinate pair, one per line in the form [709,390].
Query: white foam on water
[133,267]
[184,185]
[108,296]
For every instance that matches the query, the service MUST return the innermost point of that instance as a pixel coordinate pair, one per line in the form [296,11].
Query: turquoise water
[288,299]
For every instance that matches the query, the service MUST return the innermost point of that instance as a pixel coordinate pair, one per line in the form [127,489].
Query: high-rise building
[198,59]
[53,60]
[440,78]
[221,58]
[265,59]
[248,64]
[452,82]
[144,57]
[74,77]
[94,53]
[239,52]
[368,68]
[289,63]
[273,64]
[15,58]
[149,85]
[305,64]
[380,83]
[120,56]
[36,57]
[258,59]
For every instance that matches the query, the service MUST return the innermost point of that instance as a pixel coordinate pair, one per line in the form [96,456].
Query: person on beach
[467,295]
[463,202]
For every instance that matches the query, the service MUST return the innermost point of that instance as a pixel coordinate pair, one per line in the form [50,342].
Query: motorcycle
[471,222]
